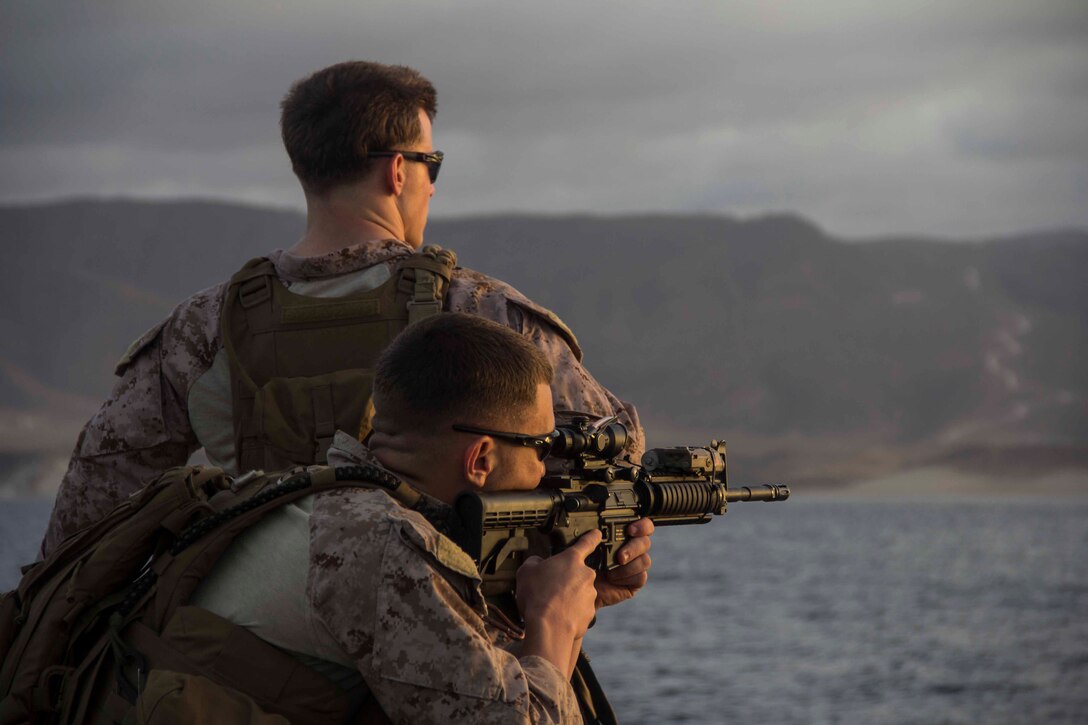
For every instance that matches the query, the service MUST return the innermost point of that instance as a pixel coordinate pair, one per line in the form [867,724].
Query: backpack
[100,631]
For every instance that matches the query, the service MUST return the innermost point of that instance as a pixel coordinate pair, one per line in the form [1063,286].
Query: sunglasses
[432,159]
[541,444]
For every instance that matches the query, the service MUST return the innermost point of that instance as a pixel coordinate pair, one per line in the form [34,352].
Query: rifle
[673,486]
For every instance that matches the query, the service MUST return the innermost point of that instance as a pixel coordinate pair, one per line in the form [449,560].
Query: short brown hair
[455,367]
[333,118]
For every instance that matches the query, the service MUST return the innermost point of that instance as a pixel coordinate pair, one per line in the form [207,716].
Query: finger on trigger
[634,548]
[587,542]
[642,527]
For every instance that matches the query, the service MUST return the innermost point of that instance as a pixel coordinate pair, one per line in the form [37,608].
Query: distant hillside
[814,357]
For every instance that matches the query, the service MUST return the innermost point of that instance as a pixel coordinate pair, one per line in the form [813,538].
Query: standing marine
[260,371]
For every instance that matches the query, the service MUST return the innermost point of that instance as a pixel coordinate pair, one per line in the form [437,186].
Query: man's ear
[479,462]
[396,174]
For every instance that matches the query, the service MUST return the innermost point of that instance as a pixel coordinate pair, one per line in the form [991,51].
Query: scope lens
[575,441]
[570,443]
[609,442]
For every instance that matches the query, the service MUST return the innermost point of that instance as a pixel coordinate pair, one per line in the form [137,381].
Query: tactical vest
[100,632]
[302,367]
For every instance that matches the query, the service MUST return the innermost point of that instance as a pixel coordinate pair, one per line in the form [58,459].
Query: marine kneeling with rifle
[384,593]
[329,594]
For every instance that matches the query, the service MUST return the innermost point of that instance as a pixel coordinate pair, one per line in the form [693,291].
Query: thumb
[584,545]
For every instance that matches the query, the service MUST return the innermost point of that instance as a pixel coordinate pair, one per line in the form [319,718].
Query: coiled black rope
[370,474]
[187,537]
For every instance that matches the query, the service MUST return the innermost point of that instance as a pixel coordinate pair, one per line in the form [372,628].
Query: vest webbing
[302,367]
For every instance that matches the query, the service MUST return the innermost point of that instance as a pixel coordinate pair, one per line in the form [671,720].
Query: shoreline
[952,481]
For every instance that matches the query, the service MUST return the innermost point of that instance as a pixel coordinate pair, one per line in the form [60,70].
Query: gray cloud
[953,118]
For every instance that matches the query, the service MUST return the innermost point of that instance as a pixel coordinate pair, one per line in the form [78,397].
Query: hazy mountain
[816,358]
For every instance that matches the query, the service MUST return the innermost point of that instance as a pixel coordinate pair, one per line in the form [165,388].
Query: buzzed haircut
[333,118]
[454,367]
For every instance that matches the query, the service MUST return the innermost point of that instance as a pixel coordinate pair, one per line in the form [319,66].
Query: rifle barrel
[766,492]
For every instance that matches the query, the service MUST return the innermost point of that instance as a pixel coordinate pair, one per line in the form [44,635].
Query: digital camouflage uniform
[383,594]
[146,426]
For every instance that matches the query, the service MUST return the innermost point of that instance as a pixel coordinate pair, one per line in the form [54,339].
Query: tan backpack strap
[248,303]
[252,286]
[324,420]
[254,268]
[433,258]
[431,269]
[425,300]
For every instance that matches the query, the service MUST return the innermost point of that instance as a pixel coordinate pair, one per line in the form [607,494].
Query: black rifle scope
[603,439]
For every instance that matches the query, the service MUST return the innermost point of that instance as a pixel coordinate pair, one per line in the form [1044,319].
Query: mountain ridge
[803,346]
[120,200]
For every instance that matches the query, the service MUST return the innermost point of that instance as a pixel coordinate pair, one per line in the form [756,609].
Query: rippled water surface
[828,611]
[824,611]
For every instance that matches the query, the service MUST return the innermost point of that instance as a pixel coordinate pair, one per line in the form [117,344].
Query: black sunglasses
[542,444]
[432,159]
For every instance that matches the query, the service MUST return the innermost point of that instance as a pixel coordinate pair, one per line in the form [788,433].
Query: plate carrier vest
[301,367]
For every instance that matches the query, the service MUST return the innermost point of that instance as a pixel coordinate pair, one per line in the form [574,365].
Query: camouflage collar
[349,259]
[346,450]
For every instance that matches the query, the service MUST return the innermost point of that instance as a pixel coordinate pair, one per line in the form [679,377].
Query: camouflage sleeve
[406,619]
[143,428]
[574,390]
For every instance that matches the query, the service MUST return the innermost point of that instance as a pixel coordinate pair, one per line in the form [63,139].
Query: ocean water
[835,611]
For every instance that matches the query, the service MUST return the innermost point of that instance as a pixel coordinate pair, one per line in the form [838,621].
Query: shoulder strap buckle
[254,292]
[426,299]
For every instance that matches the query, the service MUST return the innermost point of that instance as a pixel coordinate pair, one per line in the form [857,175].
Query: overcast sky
[953,118]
